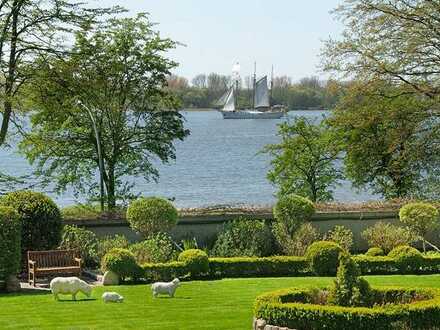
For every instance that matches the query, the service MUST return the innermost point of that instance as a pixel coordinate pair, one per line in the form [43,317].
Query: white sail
[230,101]
[222,101]
[261,93]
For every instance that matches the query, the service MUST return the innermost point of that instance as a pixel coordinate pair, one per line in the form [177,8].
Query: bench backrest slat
[53,258]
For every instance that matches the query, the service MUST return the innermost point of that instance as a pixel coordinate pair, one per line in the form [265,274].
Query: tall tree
[304,161]
[390,143]
[395,40]
[32,28]
[118,72]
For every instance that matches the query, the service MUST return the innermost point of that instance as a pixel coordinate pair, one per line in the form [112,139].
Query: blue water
[219,163]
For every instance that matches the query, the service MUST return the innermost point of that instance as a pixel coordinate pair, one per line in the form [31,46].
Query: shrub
[111,242]
[342,236]
[421,218]
[297,244]
[10,241]
[165,271]
[348,289]
[40,219]
[82,240]
[374,252]
[379,265]
[151,215]
[196,261]
[387,236]
[292,211]
[159,248]
[408,259]
[122,262]
[292,308]
[244,238]
[323,257]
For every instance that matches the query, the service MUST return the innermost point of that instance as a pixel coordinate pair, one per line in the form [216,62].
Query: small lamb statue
[165,287]
[69,285]
[112,297]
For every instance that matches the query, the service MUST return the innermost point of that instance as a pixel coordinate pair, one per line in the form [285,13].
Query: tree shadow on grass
[25,292]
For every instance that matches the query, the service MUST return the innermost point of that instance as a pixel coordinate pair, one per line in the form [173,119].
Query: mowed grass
[223,304]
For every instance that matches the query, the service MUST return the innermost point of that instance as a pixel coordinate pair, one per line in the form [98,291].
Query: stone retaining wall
[260,324]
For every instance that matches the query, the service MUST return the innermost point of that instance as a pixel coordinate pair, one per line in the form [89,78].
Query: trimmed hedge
[196,261]
[10,241]
[165,271]
[121,262]
[293,308]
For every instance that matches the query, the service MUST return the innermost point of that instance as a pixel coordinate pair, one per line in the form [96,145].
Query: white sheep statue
[69,285]
[112,297]
[165,287]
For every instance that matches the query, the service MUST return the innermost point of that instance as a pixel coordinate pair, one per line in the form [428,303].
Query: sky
[287,34]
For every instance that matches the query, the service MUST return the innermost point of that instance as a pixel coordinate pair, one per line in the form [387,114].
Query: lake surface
[219,163]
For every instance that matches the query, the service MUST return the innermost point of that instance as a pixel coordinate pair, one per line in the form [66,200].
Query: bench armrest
[78,260]
[31,263]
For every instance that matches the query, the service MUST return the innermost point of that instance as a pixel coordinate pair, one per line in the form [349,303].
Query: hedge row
[278,266]
[293,308]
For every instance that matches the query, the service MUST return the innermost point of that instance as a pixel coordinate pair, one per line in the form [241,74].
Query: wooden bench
[53,262]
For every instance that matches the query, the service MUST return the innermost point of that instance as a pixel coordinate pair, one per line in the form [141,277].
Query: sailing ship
[261,107]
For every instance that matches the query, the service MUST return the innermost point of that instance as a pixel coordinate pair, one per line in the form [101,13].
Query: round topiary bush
[10,239]
[196,261]
[40,219]
[121,262]
[323,257]
[408,259]
[374,252]
[292,210]
[151,215]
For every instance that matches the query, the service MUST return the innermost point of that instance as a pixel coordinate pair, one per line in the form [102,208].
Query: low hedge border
[277,267]
[291,308]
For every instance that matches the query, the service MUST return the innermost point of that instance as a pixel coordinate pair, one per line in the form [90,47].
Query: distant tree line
[308,93]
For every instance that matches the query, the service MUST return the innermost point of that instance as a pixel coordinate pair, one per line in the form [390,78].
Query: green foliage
[348,289]
[165,271]
[387,236]
[303,162]
[118,72]
[111,242]
[10,242]
[323,257]
[293,210]
[374,252]
[292,308]
[255,267]
[159,248]
[196,261]
[122,262]
[342,236]
[151,215]
[296,244]
[421,218]
[244,238]
[408,259]
[82,240]
[40,219]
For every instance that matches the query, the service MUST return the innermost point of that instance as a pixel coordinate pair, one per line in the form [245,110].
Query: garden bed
[392,308]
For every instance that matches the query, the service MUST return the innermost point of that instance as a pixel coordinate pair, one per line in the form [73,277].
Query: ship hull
[250,114]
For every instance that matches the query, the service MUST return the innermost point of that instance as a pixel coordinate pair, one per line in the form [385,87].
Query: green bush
[408,259]
[294,308]
[292,211]
[379,265]
[82,240]
[374,252]
[342,236]
[196,261]
[121,262]
[111,242]
[40,219]
[387,236]
[421,218]
[151,215]
[296,244]
[258,267]
[165,271]
[323,257]
[159,248]
[10,241]
[244,238]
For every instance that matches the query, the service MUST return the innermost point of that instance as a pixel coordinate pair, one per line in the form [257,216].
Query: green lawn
[224,304]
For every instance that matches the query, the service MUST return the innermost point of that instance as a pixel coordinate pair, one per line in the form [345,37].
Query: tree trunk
[111,194]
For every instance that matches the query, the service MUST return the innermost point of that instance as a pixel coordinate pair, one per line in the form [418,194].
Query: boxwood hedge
[293,308]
